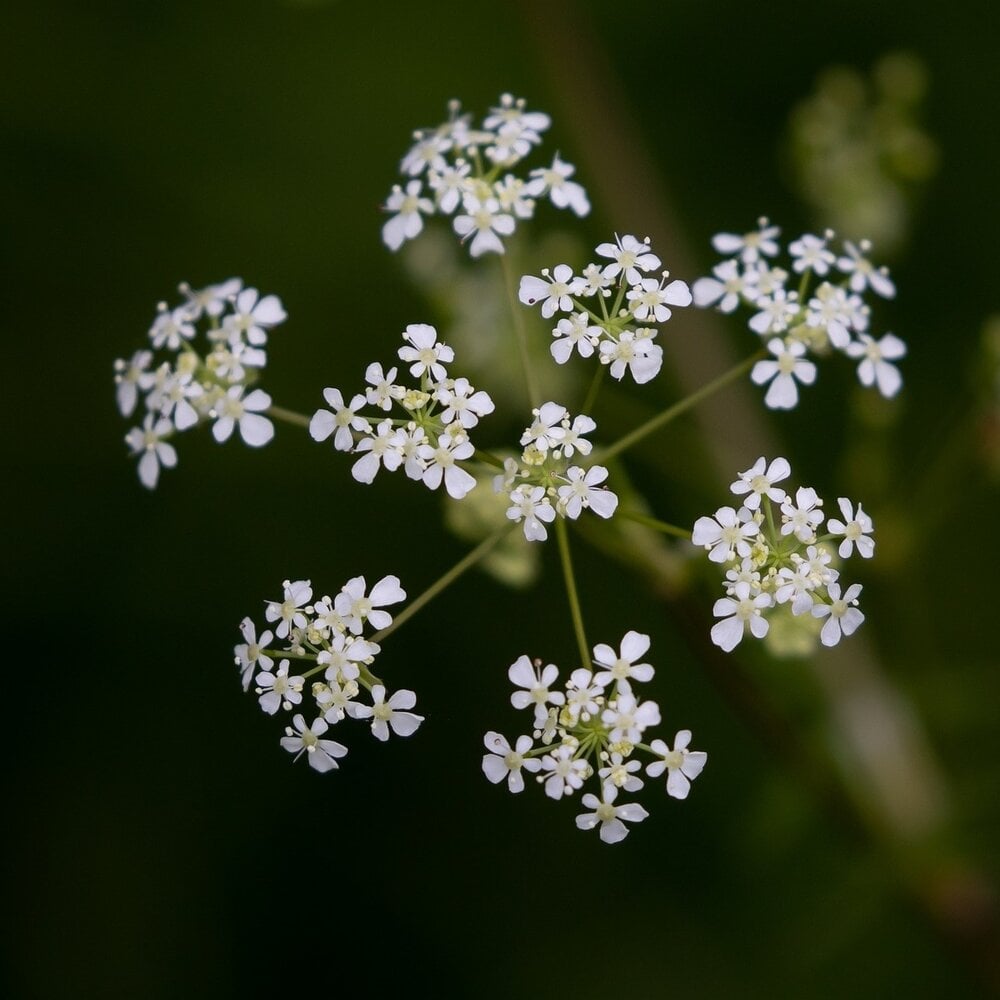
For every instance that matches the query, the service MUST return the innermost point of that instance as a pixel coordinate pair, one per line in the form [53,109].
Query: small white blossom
[738,612]
[863,273]
[726,534]
[609,815]
[148,442]
[628,718]
[356,607]
[386,715]
[856,529]
[574,331]
[504,761]
[842,614]
[563,192]
[485,223]
[406,224]
[321,753]
[426,354]
[682,765]
[381,449]
[343,419]
[553,290]
[534,683]
[759,483]
[278,690]
[750,246]
[531,505]
[251,651]
[289,610]
[730,285]
[584,490]
[804,516]
[621,668]
[253,316]
[630,257]
[638,354]
[462,402]
[876,367]
[439,464]
[245,412]
[811,254]
[565,772]
[782,373]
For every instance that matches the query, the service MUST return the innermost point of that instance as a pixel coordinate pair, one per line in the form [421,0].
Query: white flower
[462,402]
[628,719]
[382,449]
[783,393]
[574,331]
[406,223]
[737,612]
[563,192]
[387,714]
[131,376]
[637,353]
[546,431]
[760,483]
[342,658]
[439,463]
[582,692]
[572,437]
[726,534]
[651,298]
[875,368]
[856,529]
[503,761]
[425,153]
[511,110]
[382,388]
[425,352]
[278,690]
[148,441]
[863,273]
[621,773]
[487,222]
[171,327]
[777,311]
[450,185]
[621,668]
[682,765]
[844,616]
[553,289]
[583,489]
[531,505]
[289,610]
[253,316]
[322,754]
[729,285]
[629,257]
[534,683]
[811,254]
[750,246]
[211,300]
[804,516]
[566,772]
[513,195]
[251,651]
[609,815]
[342,420]
[235,410]
[356,608]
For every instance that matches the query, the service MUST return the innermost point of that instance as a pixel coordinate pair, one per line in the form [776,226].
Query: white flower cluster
[544,483]
[468,171]
[795,322]
[774,556]
[188,388]
[591,729]
[432,435]
[326,637]
[609,331]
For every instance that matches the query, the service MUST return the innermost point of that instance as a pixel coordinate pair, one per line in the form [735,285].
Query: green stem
[489,459]
[289,416]
[562,535]
[519,332]
[481,550]
[655,523]
[661,419]
[595,386]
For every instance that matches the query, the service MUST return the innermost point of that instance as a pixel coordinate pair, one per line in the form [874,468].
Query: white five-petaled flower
[609,815]
[504,761]
[856,529]
[621,668]
[321,753]
[574,331]
[651,298]
[737,612]
[787,366]
[726,534]
[356,607]
[234,409]
[406,223]
[534,683]
[563,192]
[343,419]
[727,288]
[546,430]
[876,366]
[278,690]
[148,442]
[682,765]
[553,290]
[253,316]
[289,610]
[251,651]
[803,517]
[634,350]
[630,257]
[844,615]
[863,273]
[628,718]
[565,772]
[811,254]
[485,222]
[759,483]
[424,352]
[439,464]
[584,489]
[383,448]
[464,403]
[750,246]
[777,311]
[386,715]
[531,505]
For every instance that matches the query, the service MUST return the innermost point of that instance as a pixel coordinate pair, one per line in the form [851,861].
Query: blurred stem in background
[884,780]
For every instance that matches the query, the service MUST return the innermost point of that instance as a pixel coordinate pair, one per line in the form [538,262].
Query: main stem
[655,523]
[562,535]
[481,550]
[289,416]
[520,332]
[672,412]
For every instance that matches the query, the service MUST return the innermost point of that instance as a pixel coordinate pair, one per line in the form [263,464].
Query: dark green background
[161,845]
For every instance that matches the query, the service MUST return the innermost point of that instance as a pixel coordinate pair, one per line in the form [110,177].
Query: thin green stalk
[595,385]
[661,419]
[562,535]
[654,523]
[520,332]
[289,416]
[470,560]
